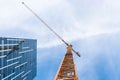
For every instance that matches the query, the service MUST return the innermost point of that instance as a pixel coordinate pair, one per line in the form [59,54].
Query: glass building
[18,59]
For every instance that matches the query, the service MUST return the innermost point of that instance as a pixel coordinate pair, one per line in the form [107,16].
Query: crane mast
[67,69]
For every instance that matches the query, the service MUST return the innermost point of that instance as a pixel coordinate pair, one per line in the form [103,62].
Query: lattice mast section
[67,70]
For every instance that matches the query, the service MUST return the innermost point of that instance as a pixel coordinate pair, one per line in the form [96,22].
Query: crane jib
[48,27]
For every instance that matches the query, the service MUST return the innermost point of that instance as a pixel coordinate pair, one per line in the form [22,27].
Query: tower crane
[67,69]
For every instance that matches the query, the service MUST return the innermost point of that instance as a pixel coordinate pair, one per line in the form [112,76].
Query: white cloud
[13,13]
[72,20]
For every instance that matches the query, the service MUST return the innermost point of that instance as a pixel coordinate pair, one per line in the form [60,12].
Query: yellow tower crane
[67,70]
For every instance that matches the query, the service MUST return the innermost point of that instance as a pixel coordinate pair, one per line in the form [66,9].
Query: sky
[91,26]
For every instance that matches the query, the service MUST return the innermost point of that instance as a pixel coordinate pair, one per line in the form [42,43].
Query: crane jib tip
[23,3]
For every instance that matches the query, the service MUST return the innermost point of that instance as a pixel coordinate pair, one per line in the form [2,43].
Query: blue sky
[92,26]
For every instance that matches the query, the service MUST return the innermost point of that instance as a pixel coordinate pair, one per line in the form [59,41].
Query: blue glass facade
[18,59]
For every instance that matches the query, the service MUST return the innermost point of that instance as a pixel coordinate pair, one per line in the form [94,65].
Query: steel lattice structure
[67,70]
